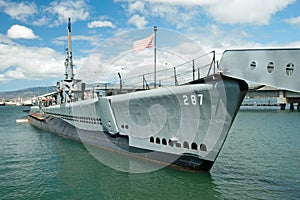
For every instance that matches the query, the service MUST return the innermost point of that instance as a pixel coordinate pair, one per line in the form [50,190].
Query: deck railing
[185,72]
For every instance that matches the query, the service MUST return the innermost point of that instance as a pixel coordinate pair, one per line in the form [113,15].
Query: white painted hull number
[192,99]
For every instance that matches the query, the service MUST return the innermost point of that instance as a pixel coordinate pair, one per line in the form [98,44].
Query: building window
[164,141]
[290,69]
[270,67]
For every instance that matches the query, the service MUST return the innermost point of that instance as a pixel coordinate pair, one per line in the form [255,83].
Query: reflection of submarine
[175,184]
[184,125]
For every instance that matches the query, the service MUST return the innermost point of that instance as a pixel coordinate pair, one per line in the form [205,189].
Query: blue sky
[33,33]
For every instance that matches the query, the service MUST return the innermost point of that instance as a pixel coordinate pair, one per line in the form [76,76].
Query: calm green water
[260,160]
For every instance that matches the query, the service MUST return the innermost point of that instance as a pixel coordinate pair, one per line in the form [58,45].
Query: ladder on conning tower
[278,68]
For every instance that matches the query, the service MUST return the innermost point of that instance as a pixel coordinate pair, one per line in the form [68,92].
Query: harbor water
[260,160]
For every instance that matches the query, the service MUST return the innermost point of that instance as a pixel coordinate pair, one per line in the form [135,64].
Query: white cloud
[77,10]
[245,11]
[214,37]
[136,6]
[293,21]
[175,14]
[20,11]
[3,78]
[18,31]
[138,21]
[99,24]
[5,40]
[40,21]
[54,14]
[93,40]
[177,2]
[91,67]
[179,16]
[14,74]
[252,12]
[29,62]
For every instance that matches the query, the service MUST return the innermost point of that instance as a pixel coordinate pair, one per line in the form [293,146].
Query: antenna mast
[69,62]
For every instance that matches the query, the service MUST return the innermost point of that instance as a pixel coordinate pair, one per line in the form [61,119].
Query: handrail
[177,71]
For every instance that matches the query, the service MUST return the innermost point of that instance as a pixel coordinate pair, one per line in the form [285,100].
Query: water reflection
[82,170]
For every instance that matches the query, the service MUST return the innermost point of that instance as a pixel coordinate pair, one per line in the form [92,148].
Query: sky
[33,35]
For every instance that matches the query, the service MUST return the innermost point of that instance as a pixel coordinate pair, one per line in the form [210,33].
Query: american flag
[147,42]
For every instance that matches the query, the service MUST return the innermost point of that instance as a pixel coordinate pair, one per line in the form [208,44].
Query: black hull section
[110,143]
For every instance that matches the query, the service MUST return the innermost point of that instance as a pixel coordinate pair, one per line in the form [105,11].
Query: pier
[284,97]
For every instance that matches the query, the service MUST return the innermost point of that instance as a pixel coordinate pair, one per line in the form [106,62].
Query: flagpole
[155,29]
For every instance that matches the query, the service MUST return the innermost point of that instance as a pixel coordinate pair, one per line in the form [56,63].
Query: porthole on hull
[157,141]
[178,144]
[152,139]
[194,146]
[171,143]
[203,147]
[186,145]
